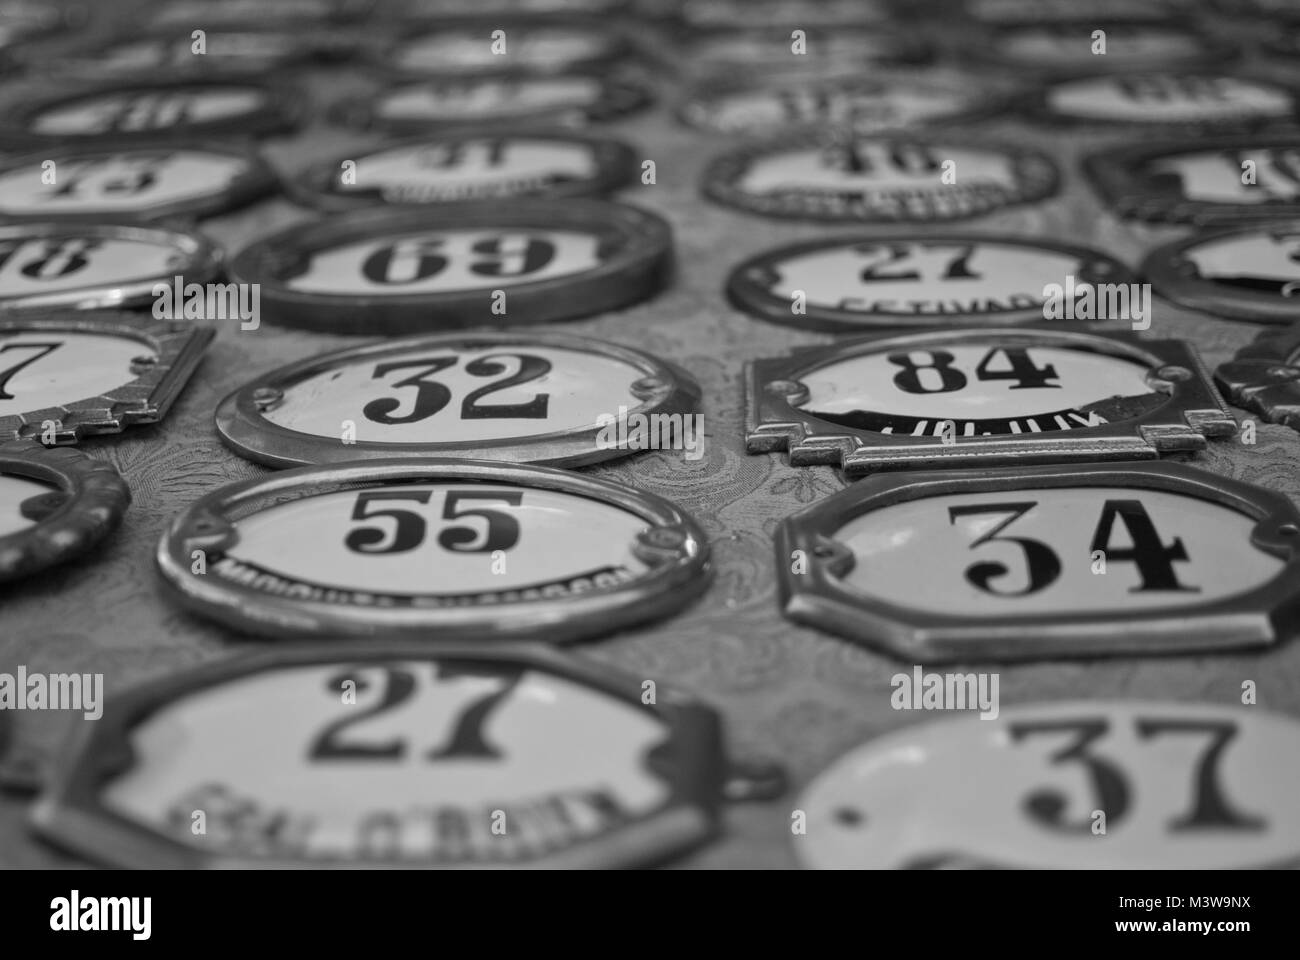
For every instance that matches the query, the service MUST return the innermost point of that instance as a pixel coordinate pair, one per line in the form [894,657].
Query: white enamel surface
[807,169]
[560,536]
[956,789]
[1017,11]
[1164,100]
[730,13]
[460,8]
[1217,177]
[220,48]
[117,183]
[188,12]
[879,107]
[339,269]
[13,491]
[127,112]
[1012,277]
[83,365]
[473,164]
[18,19]
[1248,255]
[916,554]
[1123,46]
[486,98]
[255,736]
[579,387]
[65,264]
[867,382]
[774,47]
[540,47]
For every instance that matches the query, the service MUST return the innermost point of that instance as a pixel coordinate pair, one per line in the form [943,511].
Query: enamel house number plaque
[1012,395]
[439,548]
[397,755]
[1076,785]
[1046,562]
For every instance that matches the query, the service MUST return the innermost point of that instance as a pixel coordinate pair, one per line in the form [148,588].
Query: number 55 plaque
[433,549]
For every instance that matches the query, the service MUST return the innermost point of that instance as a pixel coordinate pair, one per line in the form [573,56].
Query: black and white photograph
[450,436]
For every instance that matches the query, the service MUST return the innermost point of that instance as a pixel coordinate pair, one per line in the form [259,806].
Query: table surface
[787,693]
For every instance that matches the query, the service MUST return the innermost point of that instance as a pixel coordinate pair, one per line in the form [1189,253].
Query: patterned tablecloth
[787,693]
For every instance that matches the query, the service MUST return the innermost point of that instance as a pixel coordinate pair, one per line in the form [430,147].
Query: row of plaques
[385,271]
[419,501]
[403,755]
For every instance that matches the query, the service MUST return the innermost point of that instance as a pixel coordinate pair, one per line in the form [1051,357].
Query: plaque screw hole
[266,396]
[647,387]
[850,817]
[754,781]
[1174,374]
[663,537]
[792,391]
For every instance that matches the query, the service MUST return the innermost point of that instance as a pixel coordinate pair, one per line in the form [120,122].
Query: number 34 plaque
[1045,562]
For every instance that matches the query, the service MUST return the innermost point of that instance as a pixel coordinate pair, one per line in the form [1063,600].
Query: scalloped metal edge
[1263,378]
[146,399]
[97,498]
[1193,413]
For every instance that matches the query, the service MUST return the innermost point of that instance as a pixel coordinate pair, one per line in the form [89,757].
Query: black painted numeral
[940,361]
[1021,369]
[1043,565]
[408,526]
[957,268]
[466,739]
[1109,787]
[407,261]
[40,350]
[431,396]
[499,530]
[1154,560]
[1210,809]
[1111,793]
[398,686]
[530,368]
